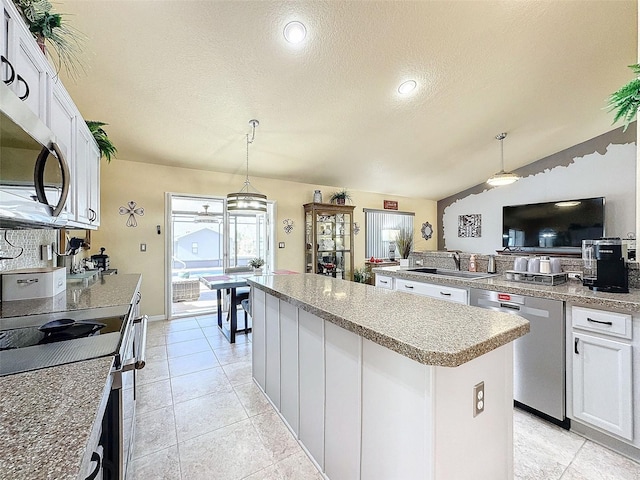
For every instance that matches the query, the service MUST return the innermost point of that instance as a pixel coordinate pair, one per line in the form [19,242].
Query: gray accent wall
[604,166]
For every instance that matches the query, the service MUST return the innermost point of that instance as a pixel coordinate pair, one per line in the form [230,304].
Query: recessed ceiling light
[406,87]
[295,32]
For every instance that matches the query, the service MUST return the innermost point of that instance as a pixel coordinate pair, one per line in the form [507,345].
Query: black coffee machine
[605,267]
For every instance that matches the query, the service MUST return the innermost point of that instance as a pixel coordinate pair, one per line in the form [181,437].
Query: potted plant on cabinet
[256,264]
[51,28]
[404,241]
[340,197]
[106,146]
[360,275]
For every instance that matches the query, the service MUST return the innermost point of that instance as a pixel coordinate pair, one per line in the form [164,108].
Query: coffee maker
[605,267]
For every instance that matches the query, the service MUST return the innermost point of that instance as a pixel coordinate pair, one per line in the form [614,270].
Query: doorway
[204,240]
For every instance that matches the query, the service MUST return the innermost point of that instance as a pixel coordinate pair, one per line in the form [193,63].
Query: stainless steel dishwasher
[539,356]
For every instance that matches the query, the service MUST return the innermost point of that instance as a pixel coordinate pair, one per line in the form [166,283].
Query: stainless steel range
[39,341]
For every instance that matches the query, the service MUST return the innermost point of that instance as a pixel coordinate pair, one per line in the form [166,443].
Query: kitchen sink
[452,273]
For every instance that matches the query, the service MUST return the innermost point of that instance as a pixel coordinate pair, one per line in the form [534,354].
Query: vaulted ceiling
[179,80]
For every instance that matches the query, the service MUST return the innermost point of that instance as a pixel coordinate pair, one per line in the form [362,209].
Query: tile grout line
[584,442]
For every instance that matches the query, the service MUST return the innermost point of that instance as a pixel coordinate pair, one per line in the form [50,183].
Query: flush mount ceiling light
[502,178]
[206,216]
[246,201]
[295,32]
[407,87]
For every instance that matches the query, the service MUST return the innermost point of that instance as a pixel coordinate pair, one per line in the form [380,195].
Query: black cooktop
[44,340]
[69,329]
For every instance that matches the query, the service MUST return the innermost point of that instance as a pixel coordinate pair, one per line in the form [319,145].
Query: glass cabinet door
[328,240]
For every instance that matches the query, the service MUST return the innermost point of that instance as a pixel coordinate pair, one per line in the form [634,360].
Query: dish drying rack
[550,279]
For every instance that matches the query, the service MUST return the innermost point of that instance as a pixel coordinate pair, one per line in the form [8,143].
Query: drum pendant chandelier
[248,199]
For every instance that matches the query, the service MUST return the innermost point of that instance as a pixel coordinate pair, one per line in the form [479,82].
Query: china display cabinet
[329,239]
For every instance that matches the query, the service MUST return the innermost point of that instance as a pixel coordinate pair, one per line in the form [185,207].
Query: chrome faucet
[456,259]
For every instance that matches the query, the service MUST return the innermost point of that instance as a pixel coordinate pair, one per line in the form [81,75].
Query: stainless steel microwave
[34,174]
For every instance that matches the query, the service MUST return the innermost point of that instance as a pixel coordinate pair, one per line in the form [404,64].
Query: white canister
[545,265]
[534,265]
[317,196]
[555,265]
[520,264]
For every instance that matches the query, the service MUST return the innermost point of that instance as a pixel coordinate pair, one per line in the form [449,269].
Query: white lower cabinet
[602,383]
[311,363]
[441,292]
[272,372]
[342,403]
[258,337]
[289,365]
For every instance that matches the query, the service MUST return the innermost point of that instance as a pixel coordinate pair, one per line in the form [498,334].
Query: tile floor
[199,416]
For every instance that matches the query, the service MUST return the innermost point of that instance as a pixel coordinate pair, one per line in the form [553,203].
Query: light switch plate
[143,247]
[281,245]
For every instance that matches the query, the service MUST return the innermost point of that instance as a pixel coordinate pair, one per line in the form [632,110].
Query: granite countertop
[572,291]
[48,419]
[427,330]
[104,291]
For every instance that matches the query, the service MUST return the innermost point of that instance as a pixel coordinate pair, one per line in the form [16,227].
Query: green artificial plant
[107,148]
[625,102]
[404,241]
[256,262]
[51,29]
[340,197]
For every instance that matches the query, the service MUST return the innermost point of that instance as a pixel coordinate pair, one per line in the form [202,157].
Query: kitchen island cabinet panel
[311,364]
[258,341]
[396,399]
[342,402]
[289,365]
[272,326]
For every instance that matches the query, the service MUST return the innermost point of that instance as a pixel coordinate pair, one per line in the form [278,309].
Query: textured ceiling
[178,81]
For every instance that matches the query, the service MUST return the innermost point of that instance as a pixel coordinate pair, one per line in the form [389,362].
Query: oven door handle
[139,356]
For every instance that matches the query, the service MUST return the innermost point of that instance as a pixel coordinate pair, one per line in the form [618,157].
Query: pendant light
[502,178]
[246,201]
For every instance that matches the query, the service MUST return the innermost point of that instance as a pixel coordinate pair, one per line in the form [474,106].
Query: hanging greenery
[107,148]
[51,29]
[625,102]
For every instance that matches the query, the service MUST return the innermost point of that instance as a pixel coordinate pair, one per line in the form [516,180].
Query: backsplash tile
[30,240]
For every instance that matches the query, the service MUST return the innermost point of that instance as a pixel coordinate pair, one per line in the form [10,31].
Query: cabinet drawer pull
[12,76]
[408,286]
[575,347]
[445,294]
[28,281]
[384,281]
[599,321]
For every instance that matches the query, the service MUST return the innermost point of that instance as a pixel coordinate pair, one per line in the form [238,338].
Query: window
[194,248]
[381,227]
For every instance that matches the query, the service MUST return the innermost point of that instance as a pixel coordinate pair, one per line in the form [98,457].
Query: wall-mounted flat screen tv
[552,225]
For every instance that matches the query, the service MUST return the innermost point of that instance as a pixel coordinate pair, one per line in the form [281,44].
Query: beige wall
[146,184]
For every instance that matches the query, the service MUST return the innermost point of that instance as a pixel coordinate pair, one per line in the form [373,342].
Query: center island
[383,385]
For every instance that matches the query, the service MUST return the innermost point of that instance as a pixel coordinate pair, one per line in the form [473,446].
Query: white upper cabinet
[23,65]
[34,80]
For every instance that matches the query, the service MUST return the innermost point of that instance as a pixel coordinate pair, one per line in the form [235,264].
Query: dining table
[231,282]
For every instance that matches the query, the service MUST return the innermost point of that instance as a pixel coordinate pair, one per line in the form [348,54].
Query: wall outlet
[575,275]
[478,399]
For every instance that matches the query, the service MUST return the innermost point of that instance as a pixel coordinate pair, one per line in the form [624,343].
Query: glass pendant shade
[502,178]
